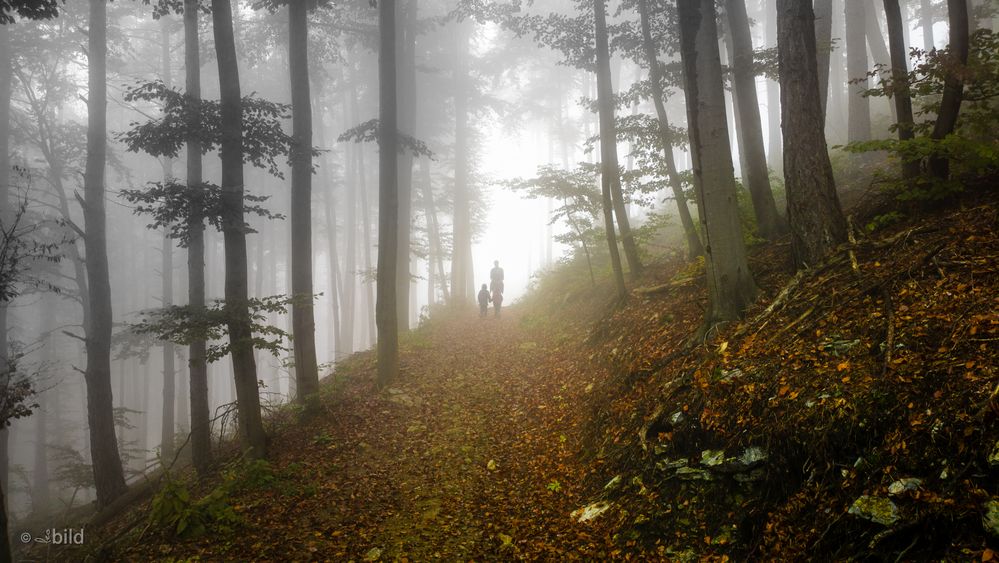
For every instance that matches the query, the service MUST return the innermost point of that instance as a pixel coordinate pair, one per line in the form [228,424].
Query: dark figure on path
[496,277]
[497,299]
[483,301]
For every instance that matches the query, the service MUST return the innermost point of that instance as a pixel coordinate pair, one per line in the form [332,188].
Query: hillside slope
[852,415]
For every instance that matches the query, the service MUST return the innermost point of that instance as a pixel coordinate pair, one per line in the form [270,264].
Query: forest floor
[854,414]
[471,455]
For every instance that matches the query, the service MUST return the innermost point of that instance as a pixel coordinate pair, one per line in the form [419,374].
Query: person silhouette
[483,301]
[496,277]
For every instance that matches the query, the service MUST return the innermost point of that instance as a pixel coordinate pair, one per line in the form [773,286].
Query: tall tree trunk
[5,95]
[816,221]
[201,439]
[950,104]
[108,476]
[775,156]
[856,68]
[237,310]
[461,267]
[354,180]
[694,246]
[302,310]
[166,275]
[406,72]
[824,46]
[756,173]
[926,22]
[730,284]
[388,199]
[900,79]
[610,175]
[433,229]
[362,189]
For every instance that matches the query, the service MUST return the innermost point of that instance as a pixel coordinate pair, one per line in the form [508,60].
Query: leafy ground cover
[852,415]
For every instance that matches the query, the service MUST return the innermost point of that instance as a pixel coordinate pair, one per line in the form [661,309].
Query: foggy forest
[560,280]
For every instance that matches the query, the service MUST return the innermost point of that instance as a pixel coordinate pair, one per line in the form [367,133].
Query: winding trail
[471,455]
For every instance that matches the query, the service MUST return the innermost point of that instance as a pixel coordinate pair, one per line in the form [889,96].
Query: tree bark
[388,199]
[694,246]
[730,284]
[406,57]
[303,311]
[610,175]
[757,175]
[859,105]
[166,275]
[244,364]
[201,440]
[774,151]
[108,475]
[900,82]
[823,44]
[817,224]
[5,95]
[950,104]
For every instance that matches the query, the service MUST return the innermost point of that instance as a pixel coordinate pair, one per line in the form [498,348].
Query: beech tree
[953,91]
[244,365]
[108,475]
[303,318]
[731,288]
[813,209]
[900,82]
[388,198]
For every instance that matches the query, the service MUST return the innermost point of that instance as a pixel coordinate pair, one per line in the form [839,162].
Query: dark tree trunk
[694,246]
[859,105]
[406,56]
[730,284]
[610,176]
[823,44]
[950,104]
[244,365]
[900,79]
[756,173]
[302,310]
[201,440]
[388,200]
[108,476]
[5,95]
[817,224]
[166,275]
[461,258]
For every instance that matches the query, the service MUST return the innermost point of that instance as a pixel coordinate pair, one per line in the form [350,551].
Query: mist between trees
[210,203]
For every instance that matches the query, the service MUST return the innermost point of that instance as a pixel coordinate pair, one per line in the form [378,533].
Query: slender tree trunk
[166,274]
[237,310]
[303,312]
[388,199]
[900,79]
[610,172]
[461,267]
[775,155]
[201,439]
[5,95]
[950,104]
[362,189]
[108,476]
[856,69]
[353,185]
[817,224]
[756,173]
[730,284]
[926,22]
[406,73]
[337,303]
[694,246]
[823,44]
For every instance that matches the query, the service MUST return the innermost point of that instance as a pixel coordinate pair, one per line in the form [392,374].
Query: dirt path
[470,455]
